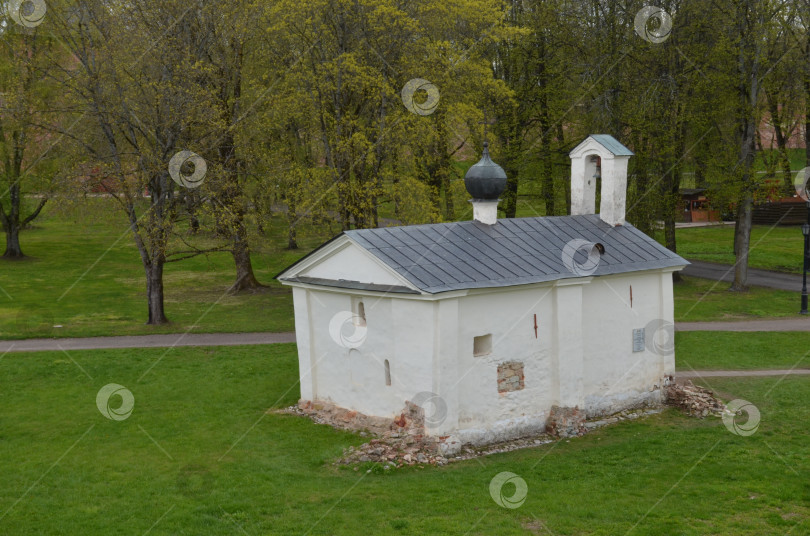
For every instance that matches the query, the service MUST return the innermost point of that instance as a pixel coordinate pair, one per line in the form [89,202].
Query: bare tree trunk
[748,88]
[11,223]
[671,204]
[245,280]
[191,208]
[545,136]
[449,204]
[292,221]
[510,193]
[781,142]
[742,239]
[13,250]
[154,292]
[548,177]
[566,183]
[807,101]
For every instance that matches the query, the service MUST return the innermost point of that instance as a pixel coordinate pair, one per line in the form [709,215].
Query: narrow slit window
[482,345]
[387,373]
[360,314]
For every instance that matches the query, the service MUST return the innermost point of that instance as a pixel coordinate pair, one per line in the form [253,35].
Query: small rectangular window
[482,345]
[387,373]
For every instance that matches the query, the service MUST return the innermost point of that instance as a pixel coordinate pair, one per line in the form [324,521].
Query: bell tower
[600,156]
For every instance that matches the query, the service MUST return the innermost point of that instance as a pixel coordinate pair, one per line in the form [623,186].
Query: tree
[221,42]
[28,161]
[356,60]
[136,115]
[751,29]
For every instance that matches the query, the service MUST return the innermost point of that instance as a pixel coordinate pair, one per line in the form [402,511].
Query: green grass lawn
[772,248]
[724,350]
[199,455]
[703,300]
[86,276]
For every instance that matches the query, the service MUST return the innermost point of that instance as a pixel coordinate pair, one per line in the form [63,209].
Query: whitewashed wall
[615,377]
[486,415]
[582,356]
[397,330]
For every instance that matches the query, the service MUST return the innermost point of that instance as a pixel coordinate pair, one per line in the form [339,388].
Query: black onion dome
[486,179]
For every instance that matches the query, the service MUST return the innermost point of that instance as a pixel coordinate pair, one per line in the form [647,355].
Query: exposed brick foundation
[399,441]
[565,422]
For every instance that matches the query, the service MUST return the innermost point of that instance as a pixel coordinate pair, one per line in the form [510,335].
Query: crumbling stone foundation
[565,422]
[399,441]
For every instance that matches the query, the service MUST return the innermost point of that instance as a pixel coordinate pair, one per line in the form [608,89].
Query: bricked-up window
[387,373]
[510,376]
[482,345]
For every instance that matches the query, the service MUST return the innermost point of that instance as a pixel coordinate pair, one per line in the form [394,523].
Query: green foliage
[30,164]
[298,109]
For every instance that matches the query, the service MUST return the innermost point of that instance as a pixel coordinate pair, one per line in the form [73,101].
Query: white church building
[489,323]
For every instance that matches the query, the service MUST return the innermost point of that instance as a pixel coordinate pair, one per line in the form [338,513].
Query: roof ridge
[449,250]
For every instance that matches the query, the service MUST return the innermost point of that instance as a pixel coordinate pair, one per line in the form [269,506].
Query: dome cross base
[485,210]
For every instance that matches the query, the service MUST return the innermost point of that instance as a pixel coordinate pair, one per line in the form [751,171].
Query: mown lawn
[725,350]
[199,455]
[772,248]
[702,300]
[84,274]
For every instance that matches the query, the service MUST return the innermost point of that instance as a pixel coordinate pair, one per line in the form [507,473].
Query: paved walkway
[739,373]
[756,277]
[145,341]
[689,225]
[801,323]
[236,339]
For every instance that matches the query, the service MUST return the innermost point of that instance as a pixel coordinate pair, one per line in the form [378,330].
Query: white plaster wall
[579,358]
[303,342]
[613,196]
[614,376]
[484,414]
[582,354]
[583,195]
[398,330]
[614,189]
[353,264]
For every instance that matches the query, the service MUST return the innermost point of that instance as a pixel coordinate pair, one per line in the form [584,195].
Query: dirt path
[145,341]
[756,277]
[235,339]
[682,374]
[800,323]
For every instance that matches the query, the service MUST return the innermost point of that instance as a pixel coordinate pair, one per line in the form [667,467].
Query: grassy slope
[664,475]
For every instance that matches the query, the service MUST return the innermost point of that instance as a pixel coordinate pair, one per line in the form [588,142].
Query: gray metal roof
[612,144]
[355,285]
[464,255]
